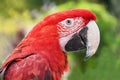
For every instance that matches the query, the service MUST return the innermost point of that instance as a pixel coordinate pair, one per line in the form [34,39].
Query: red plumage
[39,55]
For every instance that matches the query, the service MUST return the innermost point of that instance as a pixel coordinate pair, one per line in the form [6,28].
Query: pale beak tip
[88,55]
[86,58]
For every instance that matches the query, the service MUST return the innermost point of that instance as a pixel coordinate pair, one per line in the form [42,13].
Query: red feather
[30,67]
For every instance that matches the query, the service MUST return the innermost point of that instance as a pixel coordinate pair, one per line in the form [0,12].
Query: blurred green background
[18,17]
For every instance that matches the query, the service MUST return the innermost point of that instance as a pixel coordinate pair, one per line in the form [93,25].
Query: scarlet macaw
[41,55]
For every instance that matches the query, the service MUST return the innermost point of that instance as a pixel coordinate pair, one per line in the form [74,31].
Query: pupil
[68,22]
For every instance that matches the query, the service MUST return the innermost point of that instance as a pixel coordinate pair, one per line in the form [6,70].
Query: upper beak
[93,39]
[88,37]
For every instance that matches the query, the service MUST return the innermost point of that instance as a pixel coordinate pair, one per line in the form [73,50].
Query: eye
[68,22]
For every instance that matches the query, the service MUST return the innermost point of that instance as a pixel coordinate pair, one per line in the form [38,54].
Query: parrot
[42,54]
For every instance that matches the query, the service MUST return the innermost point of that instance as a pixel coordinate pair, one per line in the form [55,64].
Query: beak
[87,38]
[93,39]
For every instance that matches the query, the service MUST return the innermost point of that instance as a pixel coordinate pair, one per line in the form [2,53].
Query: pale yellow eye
[68,22]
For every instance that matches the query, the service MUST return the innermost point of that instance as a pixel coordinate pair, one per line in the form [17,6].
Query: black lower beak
[78,41]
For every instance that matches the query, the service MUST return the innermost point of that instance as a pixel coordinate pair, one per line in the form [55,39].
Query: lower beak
[87,38]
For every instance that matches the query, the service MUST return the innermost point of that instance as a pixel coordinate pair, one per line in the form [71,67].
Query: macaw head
[79,31]
[76,29]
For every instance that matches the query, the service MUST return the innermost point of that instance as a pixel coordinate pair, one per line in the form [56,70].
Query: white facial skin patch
[67,28]
[70,26]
